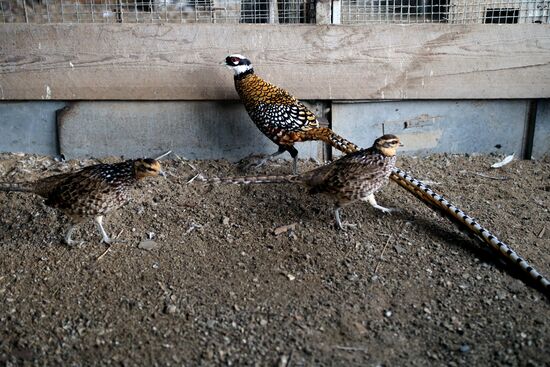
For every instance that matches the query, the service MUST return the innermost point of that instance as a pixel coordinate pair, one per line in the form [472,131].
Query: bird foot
[387,210]
[111,241]
[256,164]
[73,243]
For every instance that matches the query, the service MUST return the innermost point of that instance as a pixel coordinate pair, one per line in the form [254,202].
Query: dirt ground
[218,287]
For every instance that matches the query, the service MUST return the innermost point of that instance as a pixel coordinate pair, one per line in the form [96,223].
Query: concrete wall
[222,129]
[29,127]
[436,126]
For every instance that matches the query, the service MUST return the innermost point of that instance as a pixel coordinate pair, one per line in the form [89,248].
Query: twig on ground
[163,155]
[382,254]
[198,175]
[104,253]
[502,178]
[109,246]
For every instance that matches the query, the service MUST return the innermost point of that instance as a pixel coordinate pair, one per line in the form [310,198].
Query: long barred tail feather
[244,180]
[330,137]
[14,186]
[462,218]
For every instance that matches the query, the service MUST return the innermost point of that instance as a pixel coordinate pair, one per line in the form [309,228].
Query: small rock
[170,309]
[225,221]
[263,322]
[147,245]
[388,313]
[400,250]
[280,230]
[283,361]
[290,277]
[465,348]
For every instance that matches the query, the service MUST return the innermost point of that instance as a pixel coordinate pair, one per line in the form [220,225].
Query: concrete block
[29,127]
[435,126]
[541,142]
[193,129]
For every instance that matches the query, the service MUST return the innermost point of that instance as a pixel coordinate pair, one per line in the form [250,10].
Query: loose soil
[218,287]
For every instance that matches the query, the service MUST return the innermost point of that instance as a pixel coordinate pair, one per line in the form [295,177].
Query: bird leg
[99,221]
[294,154]
[372,201]
[341,225]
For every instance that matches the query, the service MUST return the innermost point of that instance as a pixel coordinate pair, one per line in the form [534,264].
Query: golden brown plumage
[356,176]
[91,192]
[280,116]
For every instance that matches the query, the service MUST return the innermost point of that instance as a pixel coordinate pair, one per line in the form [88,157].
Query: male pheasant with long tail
[280,116]
[285,120]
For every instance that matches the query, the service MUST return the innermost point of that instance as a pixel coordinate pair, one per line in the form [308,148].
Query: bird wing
[71,188]
[362,167]
[289,117]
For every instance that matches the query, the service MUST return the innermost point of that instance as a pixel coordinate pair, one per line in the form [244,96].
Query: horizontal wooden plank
[182,62]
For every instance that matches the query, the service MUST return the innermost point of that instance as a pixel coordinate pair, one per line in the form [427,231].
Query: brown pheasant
[91,192]
[356,176]
[280,116]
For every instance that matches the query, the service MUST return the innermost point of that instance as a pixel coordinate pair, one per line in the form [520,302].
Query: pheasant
[91,192]
[285,121]
[280,116]
[332,178]
[356,176]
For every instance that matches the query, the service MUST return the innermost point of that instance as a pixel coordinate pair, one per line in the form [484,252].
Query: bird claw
[73,243]
[111,241]
[387,210]
[257,164]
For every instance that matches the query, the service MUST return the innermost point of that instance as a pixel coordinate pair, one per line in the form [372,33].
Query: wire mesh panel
[157,11]
[273,11]
[444,11]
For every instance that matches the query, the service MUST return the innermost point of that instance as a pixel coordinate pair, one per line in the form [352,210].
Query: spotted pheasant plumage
[280,116]
[91,192]
[273,109]
[356,176]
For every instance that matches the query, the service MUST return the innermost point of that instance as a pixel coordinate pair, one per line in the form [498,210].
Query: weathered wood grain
[182,62]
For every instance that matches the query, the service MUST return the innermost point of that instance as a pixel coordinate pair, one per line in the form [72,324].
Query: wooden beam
[182,61]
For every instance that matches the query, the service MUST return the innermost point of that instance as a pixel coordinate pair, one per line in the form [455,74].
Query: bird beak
[162,173]
[401,144]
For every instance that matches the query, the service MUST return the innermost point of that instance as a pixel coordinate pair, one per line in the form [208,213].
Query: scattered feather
[504,162]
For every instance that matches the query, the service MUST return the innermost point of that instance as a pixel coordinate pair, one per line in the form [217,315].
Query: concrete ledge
[195,130]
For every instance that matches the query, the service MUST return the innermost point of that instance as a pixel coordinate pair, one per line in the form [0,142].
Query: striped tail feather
[245,180]
[423,192]
[17,186]
[330,137]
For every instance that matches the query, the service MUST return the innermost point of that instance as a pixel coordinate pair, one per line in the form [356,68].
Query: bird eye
[235,60]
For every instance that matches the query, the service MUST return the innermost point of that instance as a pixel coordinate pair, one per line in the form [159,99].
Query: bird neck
[239,75]
[387,152]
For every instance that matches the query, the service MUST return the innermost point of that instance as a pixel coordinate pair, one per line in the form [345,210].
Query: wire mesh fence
[273,11]
[444,11]
[157,11]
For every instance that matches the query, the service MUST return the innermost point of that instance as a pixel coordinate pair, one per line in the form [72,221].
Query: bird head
[387,144]
[147,167]
[238,63]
